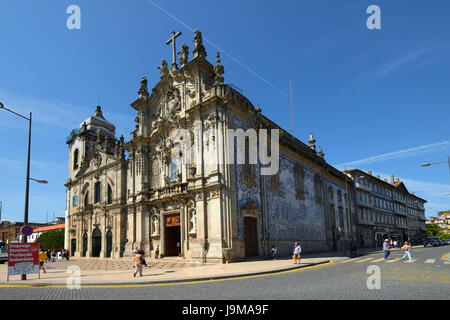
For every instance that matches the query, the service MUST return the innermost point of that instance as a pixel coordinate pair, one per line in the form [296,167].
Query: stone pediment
[95,161]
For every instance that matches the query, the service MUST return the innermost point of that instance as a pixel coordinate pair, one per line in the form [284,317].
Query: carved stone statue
[174,104]
[193,222]
[164,69]
[155,224]
[184,54]
[143,91]
[199,50]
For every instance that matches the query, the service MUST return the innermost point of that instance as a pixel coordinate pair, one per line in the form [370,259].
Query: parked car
[447,241]
[432,242]
[440,242]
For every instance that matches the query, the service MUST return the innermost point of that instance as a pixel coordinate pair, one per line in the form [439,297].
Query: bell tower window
[97,192]
[75,159]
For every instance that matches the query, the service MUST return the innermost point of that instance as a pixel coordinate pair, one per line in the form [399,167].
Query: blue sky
[375,99]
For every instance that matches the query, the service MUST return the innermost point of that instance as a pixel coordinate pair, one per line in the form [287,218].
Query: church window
[341,218]
[155,174]
[274,183]
[109,194]
[330,194]
[318,186]
[86,199]
[174,167]
[75,201]
[248,170]
[75,159]
[97,192]
[299,176]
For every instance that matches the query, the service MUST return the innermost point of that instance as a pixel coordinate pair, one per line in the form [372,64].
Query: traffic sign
[26,231]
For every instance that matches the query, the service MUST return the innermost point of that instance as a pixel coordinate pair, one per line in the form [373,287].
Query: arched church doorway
[85,240]
[96,242]
[108,244]
[73,246]
[250,236]
[172,235]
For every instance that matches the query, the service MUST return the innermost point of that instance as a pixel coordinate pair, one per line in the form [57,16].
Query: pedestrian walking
[274,252]
[386,249]
[143,258]
[42,259]
[134,251]
[297,251]
[395,244]
[406,248]
[157,252]
[53,255]
[137,264]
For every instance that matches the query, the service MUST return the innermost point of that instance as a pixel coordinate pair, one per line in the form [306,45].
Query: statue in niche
[174,104]
[155,225]
[193,222]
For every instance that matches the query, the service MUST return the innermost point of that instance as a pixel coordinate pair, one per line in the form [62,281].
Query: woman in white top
[297,251]
[406,247]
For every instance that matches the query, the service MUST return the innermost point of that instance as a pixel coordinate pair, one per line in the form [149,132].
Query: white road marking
[412,260]
[430,260]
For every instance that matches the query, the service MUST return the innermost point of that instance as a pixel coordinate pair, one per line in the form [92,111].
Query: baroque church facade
[159,189]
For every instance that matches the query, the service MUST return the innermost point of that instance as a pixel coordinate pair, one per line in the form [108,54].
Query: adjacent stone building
[161,188]
[386,210]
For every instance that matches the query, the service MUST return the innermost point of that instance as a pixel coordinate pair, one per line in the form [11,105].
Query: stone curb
[129,283]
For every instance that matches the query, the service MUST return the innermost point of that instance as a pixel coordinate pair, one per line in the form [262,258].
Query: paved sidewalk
[167,270]
[173,271]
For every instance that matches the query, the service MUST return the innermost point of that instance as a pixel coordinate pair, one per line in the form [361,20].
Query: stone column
[131,231]
[103,240]
[79,237]
[89,236]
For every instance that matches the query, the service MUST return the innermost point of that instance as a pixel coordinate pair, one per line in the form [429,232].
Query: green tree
[53,239]
[433,229]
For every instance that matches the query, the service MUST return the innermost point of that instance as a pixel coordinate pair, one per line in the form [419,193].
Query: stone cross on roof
[174,50]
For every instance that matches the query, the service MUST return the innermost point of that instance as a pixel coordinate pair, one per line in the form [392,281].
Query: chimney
[385,180]
[378,177]
[413,194]
[398,180]
[369,172]
[392,179]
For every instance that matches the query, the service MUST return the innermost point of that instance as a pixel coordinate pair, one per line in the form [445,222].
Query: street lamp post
[433,163]
[27,182]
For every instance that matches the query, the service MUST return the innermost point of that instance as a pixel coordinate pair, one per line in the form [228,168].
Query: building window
[97,192]
[155,174]
[75,201]
[248,170]
[75,159]
[331,194]
[109,194]
[341,219]
[86,199]
[339,196]
[274,183]
[299,176]
[318,187]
